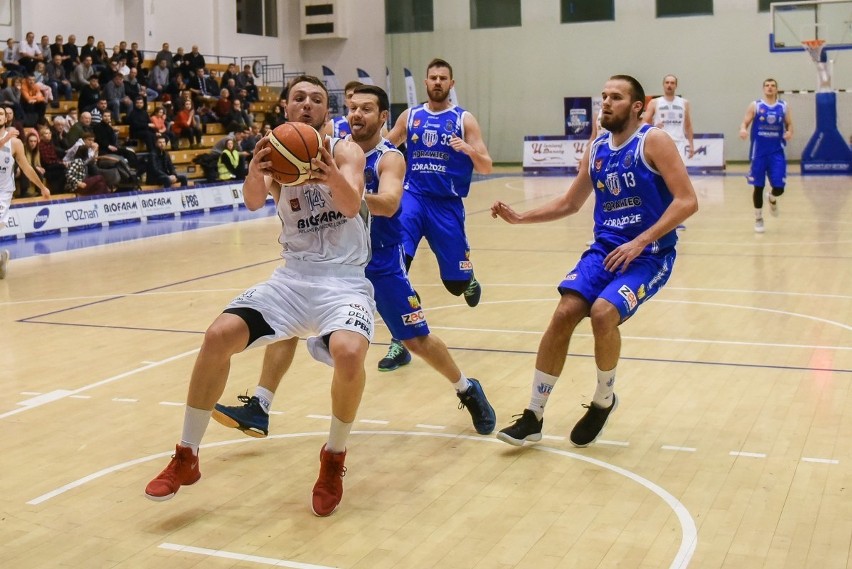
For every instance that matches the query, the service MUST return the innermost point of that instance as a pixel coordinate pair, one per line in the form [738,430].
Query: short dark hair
[438,62]
[637,92]
[378,92]
[307,79]
[351,85]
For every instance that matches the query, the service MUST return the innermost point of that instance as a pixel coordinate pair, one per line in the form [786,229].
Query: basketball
[293,144]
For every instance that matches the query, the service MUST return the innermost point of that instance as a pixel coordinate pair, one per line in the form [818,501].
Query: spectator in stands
[51,161]
[185,125]
[71,119]
[31,152]
[87,139]
[58,48]
[44,46]
[89,49]
[29,52]
[109,71]
[58,134]
[100,56]
[230,73]
[10,59]
[106,135]
[231,86]
[116,96]
[161,170]
[123,68]
[12,95]
[141,127]
[194,60]
[72,52]
[204,88]
[12,119]
[33,101]
[162,127]
[134,51]
[222,108]
[164,55]
[179,63]
[159,78]
[120,51]
[238,119]
[82,72]
[177,87]
[76,179]
[245,80]
[98,112]
[231,164]
[39,74]
[89,95]
[279,115]
[250,141]
[57,79]
[81,128]
[135,86]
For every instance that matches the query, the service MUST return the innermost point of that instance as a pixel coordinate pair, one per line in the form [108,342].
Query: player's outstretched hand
[505,212]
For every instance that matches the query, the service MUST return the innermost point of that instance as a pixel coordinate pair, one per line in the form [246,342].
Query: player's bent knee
[604,316]
[348,349]
[456,288]
[417,345]
[777,191]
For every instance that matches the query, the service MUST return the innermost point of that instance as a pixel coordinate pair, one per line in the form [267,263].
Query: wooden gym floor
[730,448]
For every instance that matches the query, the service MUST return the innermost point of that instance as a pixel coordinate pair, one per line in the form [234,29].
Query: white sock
[462,384]
[338,435]
[264,397]
[758,214]
[604,390]
[542,385]
[195,423]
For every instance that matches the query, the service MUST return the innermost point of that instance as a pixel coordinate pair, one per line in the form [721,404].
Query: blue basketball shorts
[396,301]
[773,165]
[441,222]
[627,290]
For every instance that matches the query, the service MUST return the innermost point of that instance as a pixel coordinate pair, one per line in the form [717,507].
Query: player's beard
[613,123]
[364,134]
[438,95]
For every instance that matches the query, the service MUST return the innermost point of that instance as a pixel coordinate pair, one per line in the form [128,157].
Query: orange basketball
[293,145]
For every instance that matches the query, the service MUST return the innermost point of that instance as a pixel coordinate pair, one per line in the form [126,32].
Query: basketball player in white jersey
[672,114]
[11,151]
[321,291]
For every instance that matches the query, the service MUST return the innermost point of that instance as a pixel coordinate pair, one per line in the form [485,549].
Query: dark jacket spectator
[89,95]
[161,170]
[141,127]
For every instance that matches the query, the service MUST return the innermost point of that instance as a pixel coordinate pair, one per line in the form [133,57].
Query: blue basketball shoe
[481,411]
[250,417]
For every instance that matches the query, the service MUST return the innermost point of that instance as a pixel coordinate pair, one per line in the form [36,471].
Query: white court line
[374,421]
[820,460]
[241,556]
[124,400]
[747,454]
[99,383]
[612,443]
[689,533]
[434,427]
[79,396]
[680,449]
[553,437]
[324,417]
[171,403]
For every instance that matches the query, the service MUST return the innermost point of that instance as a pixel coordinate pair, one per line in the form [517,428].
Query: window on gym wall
[408,16]
[763,5]
[666,8]
[495,14]
[257,17]
[575,11]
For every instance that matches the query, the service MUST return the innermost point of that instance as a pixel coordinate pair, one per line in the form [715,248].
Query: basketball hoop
[814,47]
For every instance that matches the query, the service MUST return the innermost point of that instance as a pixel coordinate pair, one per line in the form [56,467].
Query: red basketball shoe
[181,471]
[328,491]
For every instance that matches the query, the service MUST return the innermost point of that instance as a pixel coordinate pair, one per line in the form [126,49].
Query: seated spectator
[41,83]
[179,63]
[58,134]
[10,59]
[141,127]
[185,125]
[237,137]
[204,88]
[164,55]
[71,118]
[237,119]
[194,60]
[33,101]
[56,79]
[51,160]
[279,115]
[57,48]
[177,87]
[123,68]
[250,141]
[11,96]
[231,164]
[100,57]
[134,51]
[77,179]
[12,119]
[73,55]
[136,87]
[109,71]
[230,73]
[87,140]
[81,128]
[89,95]
[88,49]
[162,127]
[161,170]
[31,152]
[245,80]
[106,136]
[82,72]
[158,80]
[116,96]
[222,108]
[98,112]
[29,53]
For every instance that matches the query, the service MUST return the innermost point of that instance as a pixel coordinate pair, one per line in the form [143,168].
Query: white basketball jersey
[672,114]
[7,169]
[315,231]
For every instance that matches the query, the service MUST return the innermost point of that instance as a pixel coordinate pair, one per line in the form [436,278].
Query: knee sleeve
[777,191]
[757,197]
[256,324]
[456,288]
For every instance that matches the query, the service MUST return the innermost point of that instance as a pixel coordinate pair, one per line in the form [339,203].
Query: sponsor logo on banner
[120,209]
[158,204]
[41,218]
[189,201]
[89,215]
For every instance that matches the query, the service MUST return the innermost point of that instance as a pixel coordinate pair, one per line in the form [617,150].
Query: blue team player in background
[771,128]
[444,145]
[642,192]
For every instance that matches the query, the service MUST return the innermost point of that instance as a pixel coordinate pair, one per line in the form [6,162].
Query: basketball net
[815,49]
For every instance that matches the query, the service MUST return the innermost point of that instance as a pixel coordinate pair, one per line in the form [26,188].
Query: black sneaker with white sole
[527,428]
[589,427]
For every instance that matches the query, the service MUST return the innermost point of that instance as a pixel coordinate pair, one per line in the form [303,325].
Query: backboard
[795,22]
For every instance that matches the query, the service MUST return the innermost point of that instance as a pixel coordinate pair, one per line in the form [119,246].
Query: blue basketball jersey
[384,231]
[767,128]
[434,168]
[630,196]
[340,127]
